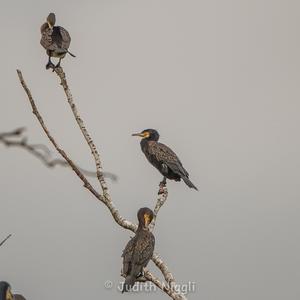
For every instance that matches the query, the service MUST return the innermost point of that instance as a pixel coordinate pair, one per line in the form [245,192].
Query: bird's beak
[50,25]
[9,295]
[138,134]
[147,220]
[142,135]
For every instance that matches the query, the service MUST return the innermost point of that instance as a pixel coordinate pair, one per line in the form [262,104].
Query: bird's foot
[123,274]
[162,185]
[141,277]
[55,67]
[50,65]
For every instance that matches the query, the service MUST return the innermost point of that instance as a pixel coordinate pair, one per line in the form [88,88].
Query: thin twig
[105,198]
[5,240]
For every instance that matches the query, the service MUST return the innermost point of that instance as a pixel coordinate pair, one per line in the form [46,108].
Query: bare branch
[5,240]
[99,170]
[105,197]
[162,198]
[164,269]
[5,139]
[167,289]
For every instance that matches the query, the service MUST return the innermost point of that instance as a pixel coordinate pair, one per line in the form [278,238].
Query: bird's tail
[129,283]
[189,183]
[71,53]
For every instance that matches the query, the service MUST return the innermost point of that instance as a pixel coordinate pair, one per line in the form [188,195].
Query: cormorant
[139,250]
[163,158]
[6,293]
[55,39]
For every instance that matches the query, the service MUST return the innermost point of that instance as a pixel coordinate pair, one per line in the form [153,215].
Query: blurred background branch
[17,139]
[1,243]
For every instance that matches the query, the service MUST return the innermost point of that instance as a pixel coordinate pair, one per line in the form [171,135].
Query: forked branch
[104,197]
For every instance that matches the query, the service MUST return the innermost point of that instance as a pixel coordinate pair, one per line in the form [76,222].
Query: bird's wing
[18,297]
[129,247]
[167,156]
[47,41]
[138,252]
[144,249]
[162,152]
[65,38]
[127,256]
[56,38]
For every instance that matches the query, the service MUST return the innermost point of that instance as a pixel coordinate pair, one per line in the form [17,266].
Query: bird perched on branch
[139,250]
[163,158]
[6,293]
[56,40]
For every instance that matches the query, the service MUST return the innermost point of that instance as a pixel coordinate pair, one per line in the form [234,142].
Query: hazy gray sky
[220,81]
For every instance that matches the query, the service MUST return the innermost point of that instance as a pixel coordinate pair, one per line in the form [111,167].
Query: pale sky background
[220,81]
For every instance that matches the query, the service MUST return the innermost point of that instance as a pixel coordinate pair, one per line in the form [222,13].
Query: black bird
[163,158]
[139,250]
[6,293]
[56,40]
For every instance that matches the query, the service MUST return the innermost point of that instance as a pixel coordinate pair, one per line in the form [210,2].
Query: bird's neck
[144,144]
[141,227]
[2,294]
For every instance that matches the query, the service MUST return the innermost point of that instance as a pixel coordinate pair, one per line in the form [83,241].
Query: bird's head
[145,216]
[150,134]
[5,291]
[51,20]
